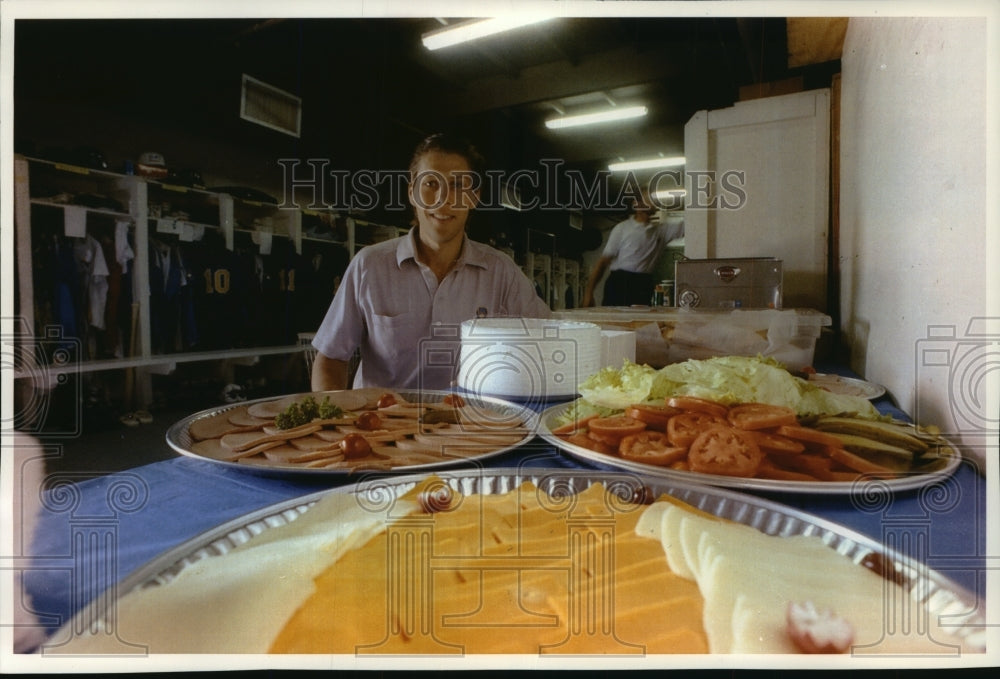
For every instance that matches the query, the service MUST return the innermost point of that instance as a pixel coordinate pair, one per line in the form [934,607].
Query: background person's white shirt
[636,247]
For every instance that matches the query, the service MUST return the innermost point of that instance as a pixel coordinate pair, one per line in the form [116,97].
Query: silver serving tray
[907,482]
[926,587]
[180,439]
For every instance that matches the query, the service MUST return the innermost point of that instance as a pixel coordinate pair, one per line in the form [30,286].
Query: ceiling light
[597,117]
[475,29]
[669,194]
[648,164]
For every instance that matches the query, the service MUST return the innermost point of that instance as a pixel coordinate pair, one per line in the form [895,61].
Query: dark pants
[624,288]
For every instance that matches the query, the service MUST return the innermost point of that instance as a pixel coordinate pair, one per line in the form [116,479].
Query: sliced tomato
[858,463]
[761,416]
[683,429]
[573,426]
[654,415]
[807,435]
[584,441]
[616,425]
[650,447]
[725,450]
[701,405]
[609,439]
[817,465]
[771,442]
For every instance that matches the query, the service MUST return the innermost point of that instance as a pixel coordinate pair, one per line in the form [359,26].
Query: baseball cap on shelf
[151,164]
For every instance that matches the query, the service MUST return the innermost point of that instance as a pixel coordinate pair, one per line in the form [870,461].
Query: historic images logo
[313,185]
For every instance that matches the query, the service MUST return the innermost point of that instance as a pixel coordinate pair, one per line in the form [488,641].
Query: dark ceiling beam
[560,79]
[765,48]
[571,54]
[506,68]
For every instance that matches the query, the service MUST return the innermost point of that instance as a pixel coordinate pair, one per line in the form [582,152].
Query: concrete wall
[918,260]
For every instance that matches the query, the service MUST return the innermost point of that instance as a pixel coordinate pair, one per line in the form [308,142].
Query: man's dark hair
[449,143]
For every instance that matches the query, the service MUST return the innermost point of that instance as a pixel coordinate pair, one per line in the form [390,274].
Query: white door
[758,186]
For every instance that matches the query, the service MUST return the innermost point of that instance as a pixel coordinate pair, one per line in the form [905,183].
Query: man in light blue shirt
[401,302]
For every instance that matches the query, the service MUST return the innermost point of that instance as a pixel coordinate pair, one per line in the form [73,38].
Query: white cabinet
[758,176]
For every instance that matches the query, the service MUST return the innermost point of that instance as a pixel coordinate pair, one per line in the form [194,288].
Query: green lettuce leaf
[618,388]
[726,379]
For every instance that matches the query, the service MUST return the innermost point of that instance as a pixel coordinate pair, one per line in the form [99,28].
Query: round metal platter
[179,437]
[909,481]
[926,587]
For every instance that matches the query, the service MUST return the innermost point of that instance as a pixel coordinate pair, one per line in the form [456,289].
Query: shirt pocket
[393,332]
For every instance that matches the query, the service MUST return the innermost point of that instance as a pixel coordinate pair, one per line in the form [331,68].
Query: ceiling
[370,90]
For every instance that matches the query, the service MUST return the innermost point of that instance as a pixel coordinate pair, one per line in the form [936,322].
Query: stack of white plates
[527,358]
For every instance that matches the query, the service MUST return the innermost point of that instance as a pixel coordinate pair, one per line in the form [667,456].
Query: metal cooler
[748,283]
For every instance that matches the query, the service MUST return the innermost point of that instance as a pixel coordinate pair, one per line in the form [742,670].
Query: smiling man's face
[441,193]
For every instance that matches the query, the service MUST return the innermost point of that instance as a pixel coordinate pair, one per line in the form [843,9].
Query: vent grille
[268,106]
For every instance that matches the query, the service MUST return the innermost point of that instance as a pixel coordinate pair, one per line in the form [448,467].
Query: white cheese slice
[235,602]
[748,578]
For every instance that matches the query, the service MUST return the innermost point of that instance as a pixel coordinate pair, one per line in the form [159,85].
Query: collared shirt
[406,324]
[635,246]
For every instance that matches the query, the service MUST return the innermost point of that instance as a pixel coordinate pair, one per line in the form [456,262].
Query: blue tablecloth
[93,533]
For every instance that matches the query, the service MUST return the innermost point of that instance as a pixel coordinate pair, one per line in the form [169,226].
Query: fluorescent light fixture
[597,117]
[475,29]
[647,164]
[670,193]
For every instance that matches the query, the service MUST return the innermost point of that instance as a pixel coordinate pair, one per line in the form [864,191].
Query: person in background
[631,253]
[401,301]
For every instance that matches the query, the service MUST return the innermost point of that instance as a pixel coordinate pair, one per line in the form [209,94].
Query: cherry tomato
[655,416]
[808,435]
[584,441]
[776,443]
[615,427]
[368,420]
[683,429]
[700,405]
[761,416]
[725,450]
[354,446]
[650,447]
[813,630]
[454,400]
[386,400]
